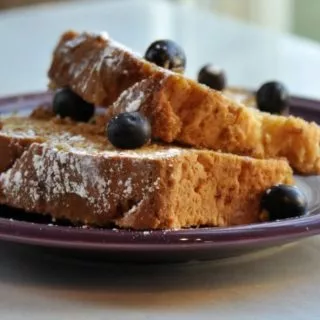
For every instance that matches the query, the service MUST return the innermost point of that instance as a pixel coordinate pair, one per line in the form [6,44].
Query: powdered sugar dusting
[145,154]
[58,173]
[17,178]
[53,174]
[122,47]
[130,100]
[128,186]
[135,104]
[154,186]
[80,70]
[77,69]
[75,42]
[133,209]
[19,134]
[104,35]
[91,63]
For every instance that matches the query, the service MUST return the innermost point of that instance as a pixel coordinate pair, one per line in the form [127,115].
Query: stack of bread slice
[209,161]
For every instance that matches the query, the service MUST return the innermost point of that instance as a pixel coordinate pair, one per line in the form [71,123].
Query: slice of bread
[99,69]
[183,110]
[69,170]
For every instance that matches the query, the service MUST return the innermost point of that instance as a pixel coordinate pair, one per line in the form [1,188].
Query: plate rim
[66,236]
[48,235]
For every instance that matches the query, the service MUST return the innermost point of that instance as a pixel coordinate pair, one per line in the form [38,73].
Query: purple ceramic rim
[75,237]
[64,236]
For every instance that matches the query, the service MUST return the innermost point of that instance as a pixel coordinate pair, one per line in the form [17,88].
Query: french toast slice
[99,69]
[69,170]
[182,110]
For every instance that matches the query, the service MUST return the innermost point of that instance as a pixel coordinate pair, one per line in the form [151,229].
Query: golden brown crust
[95,67]
[12,148]
[82,178]
[182,110]
[79,187]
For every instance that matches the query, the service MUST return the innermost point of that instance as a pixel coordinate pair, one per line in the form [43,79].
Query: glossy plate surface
[160,246]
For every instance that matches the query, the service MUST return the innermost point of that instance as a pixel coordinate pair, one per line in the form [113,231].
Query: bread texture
[69,170]
[184,111]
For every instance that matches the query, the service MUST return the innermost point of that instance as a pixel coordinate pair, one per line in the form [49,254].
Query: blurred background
[253,40]
[294,16]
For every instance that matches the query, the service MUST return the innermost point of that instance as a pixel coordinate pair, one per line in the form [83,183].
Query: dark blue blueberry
[129,130]
[167,54]
[213,77]
[273,97]
[66,103]
[283,201]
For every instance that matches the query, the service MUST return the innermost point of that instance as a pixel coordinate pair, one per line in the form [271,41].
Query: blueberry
[213,77]
[167,54]
[66,103]
[129,130]
[273,97]
[283,201]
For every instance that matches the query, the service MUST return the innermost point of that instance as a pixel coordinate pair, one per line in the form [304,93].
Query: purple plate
[159,246]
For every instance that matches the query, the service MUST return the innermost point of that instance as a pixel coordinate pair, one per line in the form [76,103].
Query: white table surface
[277,285]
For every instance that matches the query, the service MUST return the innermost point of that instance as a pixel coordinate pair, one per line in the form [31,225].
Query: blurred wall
[5,4]
[307,18]
[275,14]
[299,16]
